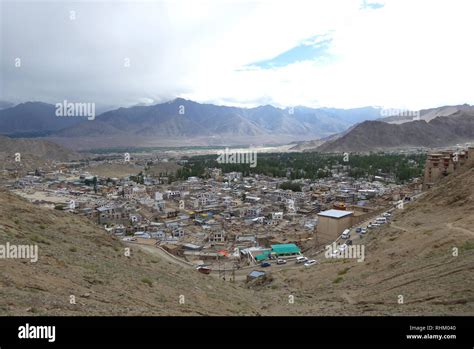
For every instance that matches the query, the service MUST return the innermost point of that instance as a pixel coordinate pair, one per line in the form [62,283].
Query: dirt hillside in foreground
[78,258]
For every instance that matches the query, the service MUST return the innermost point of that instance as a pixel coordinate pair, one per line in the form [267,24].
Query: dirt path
[397,227]
[158,252]
[450,226]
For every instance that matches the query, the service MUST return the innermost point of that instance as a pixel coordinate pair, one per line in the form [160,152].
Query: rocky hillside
[377,135]
[40,149]
[429,114]
[78,258]
[33,119]
[34,154]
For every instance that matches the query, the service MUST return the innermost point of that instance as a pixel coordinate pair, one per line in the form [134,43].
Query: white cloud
[408,54]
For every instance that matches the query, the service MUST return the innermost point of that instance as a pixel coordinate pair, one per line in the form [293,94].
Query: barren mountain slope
[40,149]
[413,257]
[77,258]
[377,135]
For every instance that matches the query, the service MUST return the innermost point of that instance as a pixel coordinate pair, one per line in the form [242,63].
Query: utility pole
[316,245]
[233,273]
[221,272]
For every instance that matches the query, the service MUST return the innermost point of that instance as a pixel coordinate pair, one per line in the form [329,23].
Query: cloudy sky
[336,53]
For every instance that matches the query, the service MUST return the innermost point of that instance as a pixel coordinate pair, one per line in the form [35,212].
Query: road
[365,224]
[162,254]
[241,273]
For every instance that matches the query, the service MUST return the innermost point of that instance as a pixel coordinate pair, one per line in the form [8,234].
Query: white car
[346,234]
[301,259]
[129,238]
[310,262]
[363,230]
[202,266]
[342,247]
[386,214]
[281,261]
[335,253]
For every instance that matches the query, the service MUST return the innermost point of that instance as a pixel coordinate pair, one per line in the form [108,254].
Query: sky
[409,54]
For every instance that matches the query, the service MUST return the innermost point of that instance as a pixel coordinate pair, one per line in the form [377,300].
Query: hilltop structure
[440,164]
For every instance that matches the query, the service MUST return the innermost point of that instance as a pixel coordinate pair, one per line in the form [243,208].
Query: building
[332,223]
[255,275]
[439,165]
[277,216]
[285,250]
[217,237]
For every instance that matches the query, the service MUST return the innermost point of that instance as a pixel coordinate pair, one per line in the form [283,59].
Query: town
[226,221]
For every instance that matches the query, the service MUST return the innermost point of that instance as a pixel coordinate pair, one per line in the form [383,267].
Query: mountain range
[426,114]
[378,135]
[437,127]
[32,119]
[180,122]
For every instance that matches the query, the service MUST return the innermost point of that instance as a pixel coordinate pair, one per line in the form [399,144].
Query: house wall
[329,229]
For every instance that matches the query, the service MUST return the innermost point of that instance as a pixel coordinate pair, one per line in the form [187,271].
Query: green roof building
[285,250]
[261,257]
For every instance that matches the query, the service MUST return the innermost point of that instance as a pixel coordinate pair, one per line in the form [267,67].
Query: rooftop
[256,274]
[335,213]
[285,248]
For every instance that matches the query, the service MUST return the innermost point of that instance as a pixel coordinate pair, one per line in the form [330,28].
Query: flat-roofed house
[332,223]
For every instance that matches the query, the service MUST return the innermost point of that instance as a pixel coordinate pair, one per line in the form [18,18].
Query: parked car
[363,230]
[128,238]
[342,247]
[387,214]
[281,261]
[265,264]
[349,242]
[358,230]
[346,233]
[301,259]
[310,263]
[202,266]
[334,253]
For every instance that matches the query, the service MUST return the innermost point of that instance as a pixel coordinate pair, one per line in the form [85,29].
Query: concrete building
[332,223]
[439,165]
